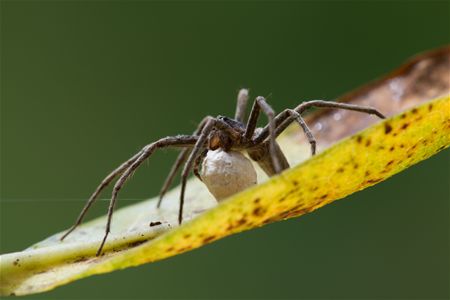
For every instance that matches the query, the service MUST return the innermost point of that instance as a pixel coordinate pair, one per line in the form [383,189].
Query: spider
[237,134]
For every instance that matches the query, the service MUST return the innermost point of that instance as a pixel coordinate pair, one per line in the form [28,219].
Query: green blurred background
[85,84]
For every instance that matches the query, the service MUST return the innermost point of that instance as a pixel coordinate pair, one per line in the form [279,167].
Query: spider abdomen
[227,172]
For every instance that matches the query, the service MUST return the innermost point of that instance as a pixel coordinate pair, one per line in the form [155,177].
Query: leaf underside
[357,162]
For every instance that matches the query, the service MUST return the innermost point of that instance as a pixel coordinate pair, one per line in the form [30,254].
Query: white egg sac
[227,173]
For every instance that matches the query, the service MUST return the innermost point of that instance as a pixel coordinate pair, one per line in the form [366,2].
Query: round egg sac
[227,173]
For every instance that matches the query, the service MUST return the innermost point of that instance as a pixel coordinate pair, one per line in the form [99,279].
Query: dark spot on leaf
[170,249]
[404,126]
[258,211]
[389,163]
[374,180]
[282,199]
[314,188]
[155,223]
[184,249]
[359,139]
[295,211]
[367,173]
[16,262]
[187,235]
[368,142]
[270,220]
[80,259]
[355,166]
[208,238]
[402,146]
[323,196]
[241,221]
[430,107]
[295,182]
[294,192]
[340,170]
[387,128]
[414,110]
[135,243]
[392,148]
[256,200]
[403,116]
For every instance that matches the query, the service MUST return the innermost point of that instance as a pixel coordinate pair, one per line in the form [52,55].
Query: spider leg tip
[379,114]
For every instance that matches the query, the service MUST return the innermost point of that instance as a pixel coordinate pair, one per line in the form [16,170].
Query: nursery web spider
[227,134]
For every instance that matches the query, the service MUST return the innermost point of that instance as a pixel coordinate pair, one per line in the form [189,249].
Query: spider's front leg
[261,104]
[196,151]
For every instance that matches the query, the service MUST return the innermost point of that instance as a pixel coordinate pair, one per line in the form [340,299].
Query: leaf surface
[419,129]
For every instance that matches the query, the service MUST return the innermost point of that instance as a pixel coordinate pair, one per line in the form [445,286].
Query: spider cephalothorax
[224,134]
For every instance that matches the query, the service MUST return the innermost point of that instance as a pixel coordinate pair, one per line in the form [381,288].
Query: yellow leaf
[353,164]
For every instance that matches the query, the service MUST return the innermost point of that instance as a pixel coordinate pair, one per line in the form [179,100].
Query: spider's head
[219,139]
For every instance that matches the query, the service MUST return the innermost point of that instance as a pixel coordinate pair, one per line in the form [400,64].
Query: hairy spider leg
[105,182]
[210,123]
[261,104]
[330,104]
[295,116]
[281,120]
[184,154]
[241,105]
[180,140]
